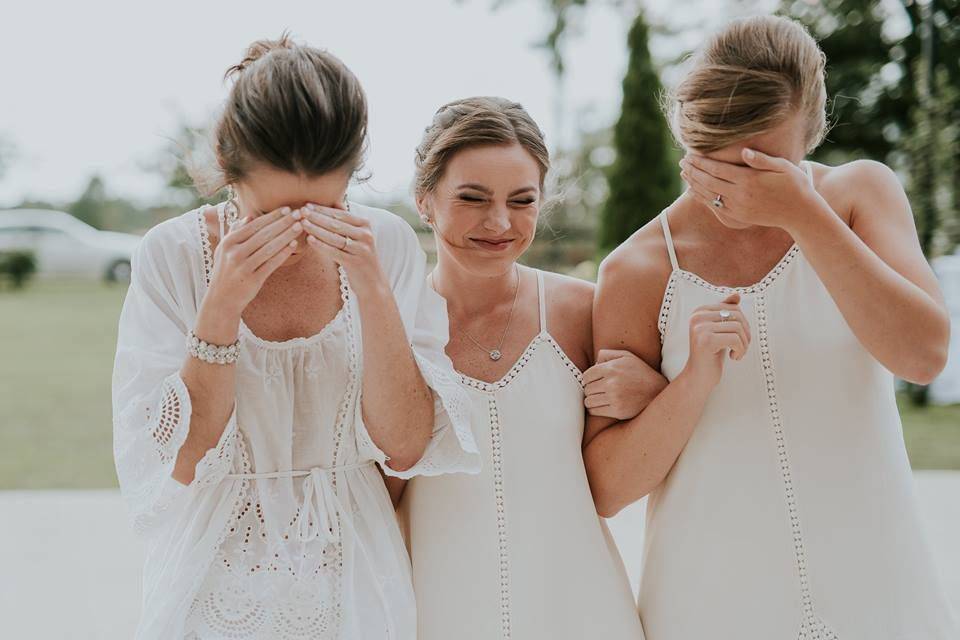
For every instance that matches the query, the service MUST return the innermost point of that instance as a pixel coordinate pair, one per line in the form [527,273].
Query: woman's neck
[473,294]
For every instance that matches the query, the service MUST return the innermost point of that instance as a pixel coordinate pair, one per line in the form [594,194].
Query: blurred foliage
[18,266]
[644,177]
[892,71]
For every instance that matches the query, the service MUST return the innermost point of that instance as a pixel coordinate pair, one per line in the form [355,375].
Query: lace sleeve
[151,404]
[452,447]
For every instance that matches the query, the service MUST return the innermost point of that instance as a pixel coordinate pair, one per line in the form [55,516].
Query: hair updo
[747,79]
[292,107]
[473,122]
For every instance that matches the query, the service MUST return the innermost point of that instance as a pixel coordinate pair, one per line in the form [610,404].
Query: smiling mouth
[496,245]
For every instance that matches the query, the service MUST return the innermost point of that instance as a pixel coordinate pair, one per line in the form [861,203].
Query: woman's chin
[729,222]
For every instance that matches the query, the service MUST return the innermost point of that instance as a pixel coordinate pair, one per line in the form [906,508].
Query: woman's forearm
[212,389]
[629,459]
[397,403]
[899,323]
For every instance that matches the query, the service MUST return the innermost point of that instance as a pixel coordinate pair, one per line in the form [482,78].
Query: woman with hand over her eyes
[272,350]
[779,297]
[517,551]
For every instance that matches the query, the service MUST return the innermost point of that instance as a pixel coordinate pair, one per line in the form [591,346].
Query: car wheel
[119,271]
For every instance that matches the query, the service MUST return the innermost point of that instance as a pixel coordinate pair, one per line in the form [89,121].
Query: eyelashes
[470,199]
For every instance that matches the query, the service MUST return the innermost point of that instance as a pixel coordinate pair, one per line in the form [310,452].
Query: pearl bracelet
[212,353]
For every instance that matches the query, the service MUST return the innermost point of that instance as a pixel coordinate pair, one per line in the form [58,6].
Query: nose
[498,219]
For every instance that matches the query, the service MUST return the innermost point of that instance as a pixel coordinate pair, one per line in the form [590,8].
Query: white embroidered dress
[287,531]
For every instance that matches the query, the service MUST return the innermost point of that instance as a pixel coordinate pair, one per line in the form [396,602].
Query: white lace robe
[314,554]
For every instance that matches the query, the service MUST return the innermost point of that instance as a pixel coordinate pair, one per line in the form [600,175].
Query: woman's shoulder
[857,185]
[568,296]
[172,240]
[385,224]
[640,261]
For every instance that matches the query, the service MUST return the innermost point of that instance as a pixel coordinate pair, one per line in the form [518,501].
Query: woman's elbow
[928,360]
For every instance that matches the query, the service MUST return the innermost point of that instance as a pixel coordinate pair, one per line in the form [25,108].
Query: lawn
[57,341]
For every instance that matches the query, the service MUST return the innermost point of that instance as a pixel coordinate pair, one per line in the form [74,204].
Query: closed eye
[470,198]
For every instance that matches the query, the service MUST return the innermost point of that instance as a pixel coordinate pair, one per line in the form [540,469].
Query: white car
[65,246]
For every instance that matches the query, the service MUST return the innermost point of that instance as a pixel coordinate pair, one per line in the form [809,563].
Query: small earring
[425,219]
[230,210]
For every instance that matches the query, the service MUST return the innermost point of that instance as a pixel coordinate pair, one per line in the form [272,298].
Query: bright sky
[105,82]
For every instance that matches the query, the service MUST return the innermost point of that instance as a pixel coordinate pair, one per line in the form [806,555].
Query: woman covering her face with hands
[271,350]
[779,297]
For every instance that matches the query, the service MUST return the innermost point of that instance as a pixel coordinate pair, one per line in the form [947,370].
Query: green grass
[57,341]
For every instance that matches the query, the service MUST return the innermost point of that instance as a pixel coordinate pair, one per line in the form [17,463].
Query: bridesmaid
[519,550]
[781,500]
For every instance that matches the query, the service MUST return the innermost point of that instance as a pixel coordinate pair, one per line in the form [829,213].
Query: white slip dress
[791,513]
[519,551]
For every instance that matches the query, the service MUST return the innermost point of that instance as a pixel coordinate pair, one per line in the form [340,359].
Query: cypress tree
[644,178]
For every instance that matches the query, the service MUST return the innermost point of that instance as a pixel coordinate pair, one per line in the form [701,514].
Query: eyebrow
[483,189]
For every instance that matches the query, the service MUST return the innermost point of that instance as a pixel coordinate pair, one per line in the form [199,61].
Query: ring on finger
[725,315]
[346,243]
[718,201]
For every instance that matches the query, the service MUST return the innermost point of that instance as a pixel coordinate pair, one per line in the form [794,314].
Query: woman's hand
[769,191]
[348,240]
[620,385]
[715,331]
[246,257]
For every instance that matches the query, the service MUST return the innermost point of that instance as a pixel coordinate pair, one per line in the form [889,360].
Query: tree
[644,178]
[89,206]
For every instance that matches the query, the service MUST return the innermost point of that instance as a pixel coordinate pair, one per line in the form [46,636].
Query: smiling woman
[524,534]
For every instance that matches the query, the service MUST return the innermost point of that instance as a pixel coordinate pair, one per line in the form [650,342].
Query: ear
[763,162]
[425,208]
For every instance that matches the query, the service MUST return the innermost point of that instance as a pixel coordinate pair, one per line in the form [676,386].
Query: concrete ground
[70,567]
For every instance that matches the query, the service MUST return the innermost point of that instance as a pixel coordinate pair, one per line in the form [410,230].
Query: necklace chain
[496,354]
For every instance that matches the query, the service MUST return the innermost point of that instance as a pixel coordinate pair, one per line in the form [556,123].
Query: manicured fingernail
[297,226]
[296,215]
[748,154]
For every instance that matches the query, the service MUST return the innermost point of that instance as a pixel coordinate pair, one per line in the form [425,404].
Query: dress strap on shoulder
[669,239]
[807,169]
[542,300]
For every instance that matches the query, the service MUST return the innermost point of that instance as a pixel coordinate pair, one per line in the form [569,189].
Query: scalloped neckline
[292,343]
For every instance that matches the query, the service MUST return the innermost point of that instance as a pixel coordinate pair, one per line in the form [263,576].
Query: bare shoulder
[640,264]
[860,186]
[569,315]
[630,290]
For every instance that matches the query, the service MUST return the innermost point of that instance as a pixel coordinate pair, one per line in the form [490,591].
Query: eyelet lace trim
[509,376]
[811,627]
[667,304]
[758,287]
[205,244]
[498,493]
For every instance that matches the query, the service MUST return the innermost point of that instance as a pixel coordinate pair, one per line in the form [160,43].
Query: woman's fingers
[271,247]
[327,237]
[706,182]
[268,233]
[732,341]
[245,231]
[335,225]
[271,265]
[596,400]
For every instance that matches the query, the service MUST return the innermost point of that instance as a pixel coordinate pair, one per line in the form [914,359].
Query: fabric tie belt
[318,514]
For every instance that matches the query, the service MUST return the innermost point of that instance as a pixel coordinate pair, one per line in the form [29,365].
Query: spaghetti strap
[807,169]
[669,239]
[542,299]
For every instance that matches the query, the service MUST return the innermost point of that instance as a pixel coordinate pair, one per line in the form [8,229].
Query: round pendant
[495,355]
